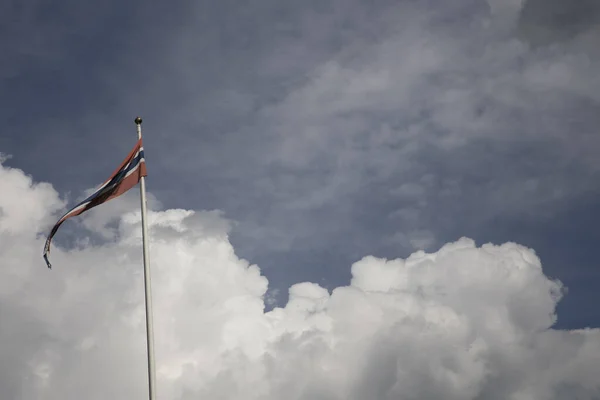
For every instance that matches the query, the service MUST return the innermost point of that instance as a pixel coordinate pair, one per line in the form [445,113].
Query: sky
[384,199]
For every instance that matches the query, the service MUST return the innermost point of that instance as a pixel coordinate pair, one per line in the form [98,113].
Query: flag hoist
[131,171]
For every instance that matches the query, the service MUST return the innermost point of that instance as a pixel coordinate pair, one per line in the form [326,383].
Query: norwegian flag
[129,173]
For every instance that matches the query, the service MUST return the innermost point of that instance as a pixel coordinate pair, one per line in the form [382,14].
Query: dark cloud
[548,21]
[326,130]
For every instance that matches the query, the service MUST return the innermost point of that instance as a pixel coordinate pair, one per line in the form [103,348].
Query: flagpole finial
[138,120]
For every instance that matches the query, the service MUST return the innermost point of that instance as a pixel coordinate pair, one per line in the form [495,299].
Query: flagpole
[147,283]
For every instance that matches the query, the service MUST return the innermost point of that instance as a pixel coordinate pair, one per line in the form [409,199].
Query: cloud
[479,119]
[465,322]
[308,116]
[501,128]
[543,22]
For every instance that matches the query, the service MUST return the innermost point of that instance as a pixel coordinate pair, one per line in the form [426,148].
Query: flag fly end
[130,172]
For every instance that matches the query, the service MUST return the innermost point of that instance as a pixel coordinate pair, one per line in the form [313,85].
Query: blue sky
[329,130]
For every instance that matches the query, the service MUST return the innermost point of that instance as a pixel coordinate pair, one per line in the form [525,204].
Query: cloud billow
[465,322]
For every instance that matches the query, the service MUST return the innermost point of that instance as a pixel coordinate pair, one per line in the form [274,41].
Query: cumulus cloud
[465,322]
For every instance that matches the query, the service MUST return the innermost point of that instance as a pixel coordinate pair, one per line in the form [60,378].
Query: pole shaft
[147,285]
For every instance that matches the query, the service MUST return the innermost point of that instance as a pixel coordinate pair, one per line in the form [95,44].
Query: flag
[129,173]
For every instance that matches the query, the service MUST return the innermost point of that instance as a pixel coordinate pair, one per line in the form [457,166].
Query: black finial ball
[138,121]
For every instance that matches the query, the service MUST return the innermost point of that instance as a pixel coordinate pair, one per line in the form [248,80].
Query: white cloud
[465,322]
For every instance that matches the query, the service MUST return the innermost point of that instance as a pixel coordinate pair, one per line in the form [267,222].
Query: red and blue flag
[129,173]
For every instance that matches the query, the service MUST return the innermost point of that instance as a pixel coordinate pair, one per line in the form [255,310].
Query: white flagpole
[147,286]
